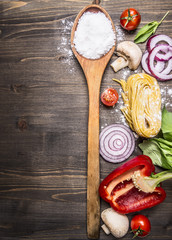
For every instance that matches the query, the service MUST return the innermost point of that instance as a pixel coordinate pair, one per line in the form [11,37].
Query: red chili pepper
[119,190]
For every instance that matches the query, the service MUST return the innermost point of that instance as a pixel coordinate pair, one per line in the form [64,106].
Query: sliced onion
[144,62]
[150,43]
[168,69]
[159,64]
[151,58]
[155,39]
[162,56]
[116,143]
[167,55]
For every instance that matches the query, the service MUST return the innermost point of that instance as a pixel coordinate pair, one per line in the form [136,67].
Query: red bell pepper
[119,190]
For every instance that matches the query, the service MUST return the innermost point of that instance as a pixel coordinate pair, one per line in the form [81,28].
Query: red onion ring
[151,59]
[168,69]
[166,56]
[144,62]
[116,143]
[154,40]
[159,64]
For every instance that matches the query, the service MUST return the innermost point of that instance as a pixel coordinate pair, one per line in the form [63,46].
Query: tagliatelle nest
[142,99]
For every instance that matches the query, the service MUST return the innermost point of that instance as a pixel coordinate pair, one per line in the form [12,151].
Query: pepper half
[119,190]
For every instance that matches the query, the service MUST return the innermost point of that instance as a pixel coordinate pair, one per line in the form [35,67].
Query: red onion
[168,69]
[167,55]
[154,40]
[116,143]
[144,62]
[151,58]
[156,60]
[162,56]
[159,64]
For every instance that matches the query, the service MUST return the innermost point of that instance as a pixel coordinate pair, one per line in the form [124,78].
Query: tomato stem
[138,232]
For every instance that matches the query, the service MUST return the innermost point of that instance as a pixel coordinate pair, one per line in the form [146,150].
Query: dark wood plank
[43,120]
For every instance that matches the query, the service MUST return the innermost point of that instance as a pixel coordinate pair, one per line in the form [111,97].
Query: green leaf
[163,142]
[145,32]
[166,125]
[165,147]
[168,136]
[146,28]
[160,149]
[144,37]
[158,157]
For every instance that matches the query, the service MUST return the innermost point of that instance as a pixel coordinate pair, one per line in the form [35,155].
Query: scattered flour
[125,73]
[64,47]
[166,94]
[170,91]
[120,35]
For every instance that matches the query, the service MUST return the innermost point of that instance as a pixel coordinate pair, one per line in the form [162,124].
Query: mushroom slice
[129,55]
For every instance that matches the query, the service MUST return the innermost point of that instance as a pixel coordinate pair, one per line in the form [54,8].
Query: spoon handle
[93,169]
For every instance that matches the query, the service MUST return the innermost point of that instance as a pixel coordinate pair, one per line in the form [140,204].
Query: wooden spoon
[93,70]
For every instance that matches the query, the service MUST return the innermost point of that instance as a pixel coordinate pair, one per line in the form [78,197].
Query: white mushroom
[115,223]
[129,55]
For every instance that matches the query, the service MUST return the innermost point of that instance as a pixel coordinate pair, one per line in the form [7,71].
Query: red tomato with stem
[130,19]
[109,97]
[140,225]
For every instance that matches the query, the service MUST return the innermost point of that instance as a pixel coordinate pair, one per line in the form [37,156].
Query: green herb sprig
[146,31]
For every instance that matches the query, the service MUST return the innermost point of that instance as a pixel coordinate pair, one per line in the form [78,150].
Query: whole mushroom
[115,223]
[129,55]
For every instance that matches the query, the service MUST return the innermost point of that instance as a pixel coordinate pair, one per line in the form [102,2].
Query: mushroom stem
[119,63]
[105,229]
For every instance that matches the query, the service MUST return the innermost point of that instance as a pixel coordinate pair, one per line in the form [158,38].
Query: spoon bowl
[91,8]
[93,70]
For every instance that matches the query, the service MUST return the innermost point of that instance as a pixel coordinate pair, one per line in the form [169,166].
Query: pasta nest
[142,99]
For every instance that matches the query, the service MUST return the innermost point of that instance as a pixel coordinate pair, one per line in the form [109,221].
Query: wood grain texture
[44,117]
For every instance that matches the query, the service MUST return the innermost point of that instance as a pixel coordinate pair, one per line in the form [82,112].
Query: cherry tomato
[109,97]
[130,19]
[140,225]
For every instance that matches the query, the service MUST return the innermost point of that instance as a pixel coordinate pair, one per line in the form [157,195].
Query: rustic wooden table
[43,120]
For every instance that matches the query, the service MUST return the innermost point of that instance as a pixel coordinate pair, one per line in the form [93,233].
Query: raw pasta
[142,99]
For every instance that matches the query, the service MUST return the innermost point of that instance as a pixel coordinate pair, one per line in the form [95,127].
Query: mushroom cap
[118,224]
[131,52]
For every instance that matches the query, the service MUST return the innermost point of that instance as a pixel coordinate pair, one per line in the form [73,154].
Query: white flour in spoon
[94,36]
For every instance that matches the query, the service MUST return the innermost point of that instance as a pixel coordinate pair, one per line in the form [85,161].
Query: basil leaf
[144,37]
[145,28]
[145,32]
